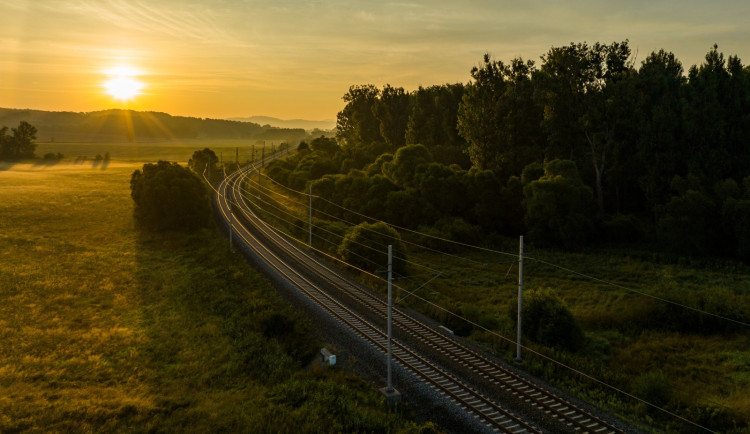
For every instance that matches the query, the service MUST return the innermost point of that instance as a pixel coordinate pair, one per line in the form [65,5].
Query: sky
[295,59]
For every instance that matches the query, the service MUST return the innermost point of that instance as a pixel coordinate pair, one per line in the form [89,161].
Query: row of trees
[654,146]
[19,144]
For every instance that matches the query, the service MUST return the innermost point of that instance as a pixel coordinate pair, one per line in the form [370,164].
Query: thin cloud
[188,22]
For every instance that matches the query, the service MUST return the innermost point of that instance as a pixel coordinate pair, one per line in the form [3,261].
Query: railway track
[316,280]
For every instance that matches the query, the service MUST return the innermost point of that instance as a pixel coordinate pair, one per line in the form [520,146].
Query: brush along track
[311,276]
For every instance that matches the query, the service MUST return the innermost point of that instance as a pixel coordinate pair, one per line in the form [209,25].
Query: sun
[123,84]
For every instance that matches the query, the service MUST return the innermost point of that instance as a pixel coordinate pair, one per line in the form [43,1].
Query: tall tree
[392,111]
[434,116]
[705,117]
[658,126]
[498,116]
[356,124]
[578,113]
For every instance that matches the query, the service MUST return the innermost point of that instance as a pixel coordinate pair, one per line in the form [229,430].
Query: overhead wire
[644,294]
[405,241]
[375,264]
[407,261]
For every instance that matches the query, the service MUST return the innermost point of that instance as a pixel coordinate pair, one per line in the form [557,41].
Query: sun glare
[123,84]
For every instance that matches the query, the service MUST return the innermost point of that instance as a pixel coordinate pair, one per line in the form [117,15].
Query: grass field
[103,328]
[173,150]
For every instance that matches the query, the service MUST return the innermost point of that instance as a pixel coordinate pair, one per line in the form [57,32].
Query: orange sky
[295,59]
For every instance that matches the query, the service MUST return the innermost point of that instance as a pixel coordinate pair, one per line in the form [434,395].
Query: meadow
[104,328]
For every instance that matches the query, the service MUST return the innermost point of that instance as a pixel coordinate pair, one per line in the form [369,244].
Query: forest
[586,148]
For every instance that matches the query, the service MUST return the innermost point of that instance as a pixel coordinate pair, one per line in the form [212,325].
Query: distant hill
[130,125]
[325,125]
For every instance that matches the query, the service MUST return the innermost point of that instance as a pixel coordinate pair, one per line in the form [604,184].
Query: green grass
[103,328]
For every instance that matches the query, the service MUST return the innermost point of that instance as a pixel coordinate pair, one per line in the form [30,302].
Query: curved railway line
[435,357]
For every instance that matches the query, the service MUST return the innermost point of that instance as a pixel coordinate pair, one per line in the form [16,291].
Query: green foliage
[686,222]
[405,163]
[558,205]
[736,223]
[366,246]
[499,118]
[53,156]
[433,122]
[169,197]
[325,146]
[203,159]
[547,320]
[355,123]
[653,387]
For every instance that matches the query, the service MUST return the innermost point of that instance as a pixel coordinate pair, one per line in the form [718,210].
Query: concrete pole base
[391,398]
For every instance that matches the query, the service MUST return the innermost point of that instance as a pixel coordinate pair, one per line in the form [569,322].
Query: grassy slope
[104,329]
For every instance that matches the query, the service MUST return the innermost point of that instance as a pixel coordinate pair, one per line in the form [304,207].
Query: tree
[205,158]
[572,85]
[168,196]
[405,163]
[499,118]
[365,246]
[356,123]
[20,144]
[657,124]
[325,146]
[433,118]
[558,205]
[3,138]
[687,224]
[392,111]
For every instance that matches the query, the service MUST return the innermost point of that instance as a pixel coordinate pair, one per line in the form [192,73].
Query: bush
[203,159]
[558,205]
[168,196]
[365,246]
[547,320]
[653,387]
[687,224]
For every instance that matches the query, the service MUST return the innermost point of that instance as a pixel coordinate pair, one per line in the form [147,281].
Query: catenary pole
[309,241]
[520,298]
[389,385]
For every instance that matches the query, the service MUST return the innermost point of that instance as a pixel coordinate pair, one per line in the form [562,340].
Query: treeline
[585,148]
[132,125]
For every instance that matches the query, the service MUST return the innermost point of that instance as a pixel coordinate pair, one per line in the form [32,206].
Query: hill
[137,126]
[308,125]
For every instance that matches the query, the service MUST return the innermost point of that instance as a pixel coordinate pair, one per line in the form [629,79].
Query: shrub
[653,387]
[547,320]
[687,223]
[168,196]
[366,246]
[202,159]
[558,205]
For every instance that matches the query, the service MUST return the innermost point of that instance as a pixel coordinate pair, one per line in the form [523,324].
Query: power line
[664,300]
